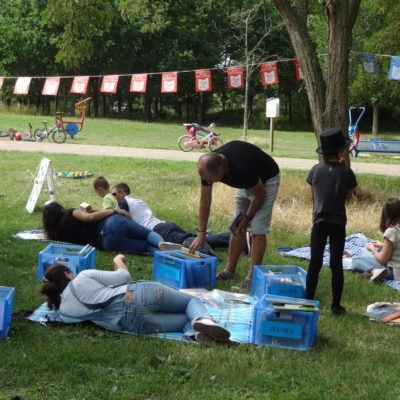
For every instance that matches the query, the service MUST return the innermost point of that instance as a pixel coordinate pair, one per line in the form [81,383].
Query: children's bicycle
[13,134]
[62,128]
[196,139]
[57,134]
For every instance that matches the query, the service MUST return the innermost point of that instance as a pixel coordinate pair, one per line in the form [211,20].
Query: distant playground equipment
[62,128]
[370,145]
[199,137]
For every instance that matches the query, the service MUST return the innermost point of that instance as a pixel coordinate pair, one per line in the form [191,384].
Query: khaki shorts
[262,219]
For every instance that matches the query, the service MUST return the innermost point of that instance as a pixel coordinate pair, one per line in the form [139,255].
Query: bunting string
[203,83]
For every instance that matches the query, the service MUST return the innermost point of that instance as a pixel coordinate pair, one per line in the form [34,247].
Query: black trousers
[319,235]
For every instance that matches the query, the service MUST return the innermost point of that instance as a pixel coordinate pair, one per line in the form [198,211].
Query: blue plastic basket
[284,328]
[6,306]
[68,255]
[179,271]
[279,280]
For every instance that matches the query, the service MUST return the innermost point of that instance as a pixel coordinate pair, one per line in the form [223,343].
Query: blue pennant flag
[368,63]
[394,71]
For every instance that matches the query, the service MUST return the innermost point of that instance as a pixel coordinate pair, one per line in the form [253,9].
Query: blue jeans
[366,263]
[173,233]
[122,234]
[151,307]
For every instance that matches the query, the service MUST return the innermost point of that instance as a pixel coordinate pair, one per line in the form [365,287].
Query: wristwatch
[248,217]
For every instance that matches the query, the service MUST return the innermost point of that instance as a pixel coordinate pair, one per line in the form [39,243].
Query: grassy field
[165,136]
[352,358]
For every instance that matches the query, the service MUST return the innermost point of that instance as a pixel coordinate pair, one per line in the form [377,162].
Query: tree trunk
[375,119]
[246,102]
[328,100]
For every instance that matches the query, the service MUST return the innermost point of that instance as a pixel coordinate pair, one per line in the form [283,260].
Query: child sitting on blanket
[331,185]
[384,262]
[102,188]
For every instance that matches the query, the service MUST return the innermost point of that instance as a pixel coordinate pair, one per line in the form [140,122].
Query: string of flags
[368,65]
[203,82]
[169,80]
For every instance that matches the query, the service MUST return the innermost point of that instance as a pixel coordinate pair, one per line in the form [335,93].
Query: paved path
[177,155]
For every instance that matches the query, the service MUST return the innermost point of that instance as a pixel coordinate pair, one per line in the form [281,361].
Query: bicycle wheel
[5,133]
[59,136]
[215,143]
[40,134]
[182,143]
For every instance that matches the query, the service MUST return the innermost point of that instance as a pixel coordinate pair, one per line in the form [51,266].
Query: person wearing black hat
[332,184]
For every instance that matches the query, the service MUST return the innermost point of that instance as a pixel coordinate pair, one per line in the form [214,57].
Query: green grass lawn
[112,132]
[351,359]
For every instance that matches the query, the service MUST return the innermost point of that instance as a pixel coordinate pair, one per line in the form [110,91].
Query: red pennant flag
[50,87]
[169,83]
[299,72]
[138,83]
[203,80]
[269,73]
[79,84]
[235,77]
[22,85]
[109,84]
[1,82]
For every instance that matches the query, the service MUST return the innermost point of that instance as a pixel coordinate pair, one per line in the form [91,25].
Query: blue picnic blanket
[354,247]
[232,311]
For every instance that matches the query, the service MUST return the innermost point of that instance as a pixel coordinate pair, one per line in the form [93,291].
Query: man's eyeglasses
[114,193]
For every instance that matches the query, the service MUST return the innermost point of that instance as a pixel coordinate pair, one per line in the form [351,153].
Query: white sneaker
[168,246]
[211,328]
[378,275]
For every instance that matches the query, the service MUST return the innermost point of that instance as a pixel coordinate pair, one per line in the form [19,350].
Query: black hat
[332,140]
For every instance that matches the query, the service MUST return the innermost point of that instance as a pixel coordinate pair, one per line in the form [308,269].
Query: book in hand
[86,207]
[234,225]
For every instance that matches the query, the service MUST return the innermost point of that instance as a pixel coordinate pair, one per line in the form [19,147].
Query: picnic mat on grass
[231,310]
[34,234]
[354,247]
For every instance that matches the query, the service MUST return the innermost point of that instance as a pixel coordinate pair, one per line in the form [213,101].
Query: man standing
[256,176]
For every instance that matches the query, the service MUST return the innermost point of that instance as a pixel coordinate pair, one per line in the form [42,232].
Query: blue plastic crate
[68,255]
[284,328]
[6,306]
[179,271]
[279,280]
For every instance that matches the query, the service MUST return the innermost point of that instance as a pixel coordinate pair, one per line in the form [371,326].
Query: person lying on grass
[109,229]
[110,300]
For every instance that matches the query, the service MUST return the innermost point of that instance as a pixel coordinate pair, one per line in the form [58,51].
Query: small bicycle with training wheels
[195,139]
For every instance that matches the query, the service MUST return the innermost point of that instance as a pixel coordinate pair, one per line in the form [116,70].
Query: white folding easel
[44,171]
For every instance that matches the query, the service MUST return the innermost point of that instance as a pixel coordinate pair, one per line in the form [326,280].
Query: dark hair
[212,161]
[329,156]
[101,182]
[54,283]
[390,214]
[52,214]
[123,187]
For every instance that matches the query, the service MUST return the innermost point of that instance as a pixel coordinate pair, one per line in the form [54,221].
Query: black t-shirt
[247,163]
[330,182]
[72,230]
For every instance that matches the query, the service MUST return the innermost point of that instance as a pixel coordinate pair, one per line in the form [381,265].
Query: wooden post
[271,134]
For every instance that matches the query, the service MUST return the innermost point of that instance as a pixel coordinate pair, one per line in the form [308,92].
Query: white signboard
[45,171]
[272,109]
